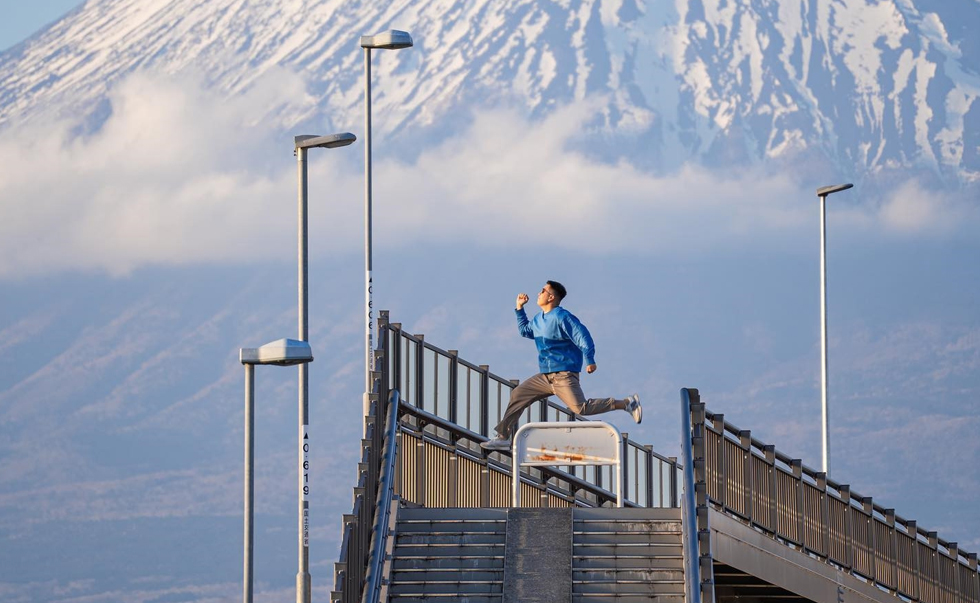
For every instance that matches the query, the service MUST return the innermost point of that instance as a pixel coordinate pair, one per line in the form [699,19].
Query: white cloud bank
[179,175]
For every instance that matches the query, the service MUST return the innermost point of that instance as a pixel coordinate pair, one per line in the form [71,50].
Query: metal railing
[382,515]
[469,396]
[753,482]
[444,408]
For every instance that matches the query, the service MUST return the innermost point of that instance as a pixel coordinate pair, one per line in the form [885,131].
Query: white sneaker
[498,443]
[633,407]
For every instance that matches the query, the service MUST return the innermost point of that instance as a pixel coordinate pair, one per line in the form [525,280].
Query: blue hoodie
[561,339]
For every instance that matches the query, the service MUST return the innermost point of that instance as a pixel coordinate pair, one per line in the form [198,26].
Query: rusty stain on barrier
[585,443]
[570,454]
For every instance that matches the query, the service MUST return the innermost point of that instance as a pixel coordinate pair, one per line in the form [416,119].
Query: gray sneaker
[498,443]
[633,407]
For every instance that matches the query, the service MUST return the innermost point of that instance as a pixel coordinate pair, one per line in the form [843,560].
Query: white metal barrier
[578,443]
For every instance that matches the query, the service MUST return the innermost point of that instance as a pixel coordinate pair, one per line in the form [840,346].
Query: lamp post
[303,144]
[823,192]
[283,352]
[389,40]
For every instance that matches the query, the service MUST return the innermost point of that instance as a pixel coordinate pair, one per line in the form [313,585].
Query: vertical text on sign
[306,527]
[370,318]
[305,469]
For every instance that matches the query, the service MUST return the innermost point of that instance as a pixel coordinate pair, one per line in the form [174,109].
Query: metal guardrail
[382,513]
[753,482]
[445,408]
[469,396]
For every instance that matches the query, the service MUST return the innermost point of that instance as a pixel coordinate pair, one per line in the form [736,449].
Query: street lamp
[389,40]
[824,416]
[283,352]
[303,144]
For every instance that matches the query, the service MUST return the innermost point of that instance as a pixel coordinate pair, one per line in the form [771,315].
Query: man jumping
[562,341]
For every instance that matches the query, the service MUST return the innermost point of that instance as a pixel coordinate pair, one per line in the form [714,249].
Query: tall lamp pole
[283,352]
[303,144]
[823,192]
[389,40]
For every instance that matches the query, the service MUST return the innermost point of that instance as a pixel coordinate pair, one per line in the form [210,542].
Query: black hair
[558,289]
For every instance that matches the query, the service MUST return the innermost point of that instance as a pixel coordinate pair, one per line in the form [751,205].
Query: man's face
[546,296]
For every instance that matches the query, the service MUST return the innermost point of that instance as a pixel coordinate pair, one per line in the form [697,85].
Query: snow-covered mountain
[864,85]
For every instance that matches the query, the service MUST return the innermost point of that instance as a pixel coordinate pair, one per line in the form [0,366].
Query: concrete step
[468,526]
[440,538]
[409,514]
[448,550]
[628,588]
[625,598]
[627,549]
[419,589]
[627,538]
[630,575]
[453,598]
[619,526]
[636,562]
[449,563]
[411,576]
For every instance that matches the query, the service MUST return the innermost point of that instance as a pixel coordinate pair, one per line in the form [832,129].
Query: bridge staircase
[734,521]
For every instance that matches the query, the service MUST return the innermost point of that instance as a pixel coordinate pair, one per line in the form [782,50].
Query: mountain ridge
[870,87]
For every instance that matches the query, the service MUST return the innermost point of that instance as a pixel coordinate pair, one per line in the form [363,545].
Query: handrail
[471,396]
[799,505]
[463,433]
[382,511]
[692,569]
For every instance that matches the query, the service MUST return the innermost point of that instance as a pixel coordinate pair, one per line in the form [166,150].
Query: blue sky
[20,19]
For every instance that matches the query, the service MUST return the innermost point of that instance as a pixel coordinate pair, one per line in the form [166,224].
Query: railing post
[845,495]
[648,449]
[721,470]
[624,467]
[824,513]
[396,355]
[672,480]
[913,530]
[420,466]
[933,539]
[745,440]
[954,552]
[971,560]
[869,508]
[452,480]
[893,539]
[384,343]
[420,374]
[454,389]
[797,466]
[770,453]
[485,400]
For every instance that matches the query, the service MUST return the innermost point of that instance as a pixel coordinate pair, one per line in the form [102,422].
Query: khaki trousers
[565,385]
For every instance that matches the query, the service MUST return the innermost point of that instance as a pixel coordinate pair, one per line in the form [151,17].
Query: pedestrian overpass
[731,521]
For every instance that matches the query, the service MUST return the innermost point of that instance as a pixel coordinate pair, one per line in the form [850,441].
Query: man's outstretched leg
[567,387]
[525,394]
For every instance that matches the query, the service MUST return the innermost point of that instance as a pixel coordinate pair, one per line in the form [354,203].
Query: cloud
[178,174]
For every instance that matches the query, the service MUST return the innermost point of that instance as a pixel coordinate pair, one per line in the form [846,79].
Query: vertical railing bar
[797,466]
[624,466]
[745,439]
[484,400]
[824,515]
[454,388]
[419,375]
[721,471]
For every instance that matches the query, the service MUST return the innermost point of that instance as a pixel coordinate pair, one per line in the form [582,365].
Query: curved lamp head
[392,39]
[283,352]
[330,141]
[833,188]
